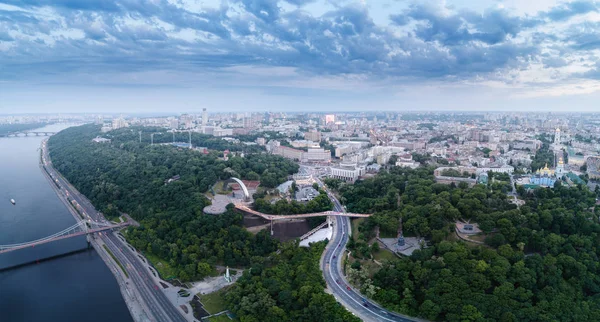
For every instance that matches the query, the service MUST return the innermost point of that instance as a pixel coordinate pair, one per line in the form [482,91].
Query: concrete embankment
[137,309]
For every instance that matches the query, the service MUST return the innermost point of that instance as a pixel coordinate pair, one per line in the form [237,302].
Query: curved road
[341,289]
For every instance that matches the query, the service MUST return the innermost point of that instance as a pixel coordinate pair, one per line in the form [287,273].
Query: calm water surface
[74,288]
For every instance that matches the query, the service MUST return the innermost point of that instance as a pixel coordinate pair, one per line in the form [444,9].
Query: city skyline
[340,56]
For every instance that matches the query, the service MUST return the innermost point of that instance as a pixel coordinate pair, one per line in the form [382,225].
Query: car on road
[337,281]
[334,256]
[348,288]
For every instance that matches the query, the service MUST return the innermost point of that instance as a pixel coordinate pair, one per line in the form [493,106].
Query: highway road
[341,289]
[161,309]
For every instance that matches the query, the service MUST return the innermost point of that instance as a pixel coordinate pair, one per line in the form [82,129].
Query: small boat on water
[13,201]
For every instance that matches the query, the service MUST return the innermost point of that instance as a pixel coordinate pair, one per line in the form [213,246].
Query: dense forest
[128,176]
[540,261]
[6,129]
[287,287]
[158,135]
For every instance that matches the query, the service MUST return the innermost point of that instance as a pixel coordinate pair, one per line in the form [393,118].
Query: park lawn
[384,254]
[219,188]
[271,197]
[479,237]
[220,318]
[164,269]
[355,224]
[214,302]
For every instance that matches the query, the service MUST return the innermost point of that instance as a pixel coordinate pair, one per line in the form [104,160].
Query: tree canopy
[540,262]
[128,176]
[286,287]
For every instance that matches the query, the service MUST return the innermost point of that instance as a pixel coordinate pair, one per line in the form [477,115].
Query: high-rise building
[248,122]
[119,123]
[186,121]
[174,123]
[329,118]
[204,117]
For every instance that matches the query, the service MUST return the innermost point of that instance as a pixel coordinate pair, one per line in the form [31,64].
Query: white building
[317,154]
[286,152]
[347,172]
[343,149]
[502,169]
[217,131]
[304,144]
[100,140]
[204,117]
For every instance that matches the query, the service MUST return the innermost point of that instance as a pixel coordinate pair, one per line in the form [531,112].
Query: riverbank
[136,309]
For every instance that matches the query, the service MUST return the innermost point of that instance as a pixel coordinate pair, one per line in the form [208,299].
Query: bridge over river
[80,228]
[27,133]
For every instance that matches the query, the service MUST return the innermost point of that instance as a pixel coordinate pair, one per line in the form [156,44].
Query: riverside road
[160,308]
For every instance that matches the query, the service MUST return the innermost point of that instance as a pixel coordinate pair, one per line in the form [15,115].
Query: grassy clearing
[214,302]
[355,224]
[384,254]
[220,188]
[116,260]
[480,237]
[220,318]
[164,269]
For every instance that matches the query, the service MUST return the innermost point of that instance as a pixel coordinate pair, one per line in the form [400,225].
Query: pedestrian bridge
[79,229]
[245,208]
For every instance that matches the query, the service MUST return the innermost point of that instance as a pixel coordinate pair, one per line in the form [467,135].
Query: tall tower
[204,117]
[557,136]
[560,168]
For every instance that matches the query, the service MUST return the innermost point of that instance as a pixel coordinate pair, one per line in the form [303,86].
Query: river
[77,287]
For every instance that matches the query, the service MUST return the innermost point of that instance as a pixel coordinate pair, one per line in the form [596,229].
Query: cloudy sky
[298,55]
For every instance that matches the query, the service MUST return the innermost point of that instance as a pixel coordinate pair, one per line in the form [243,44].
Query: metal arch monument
[246,194]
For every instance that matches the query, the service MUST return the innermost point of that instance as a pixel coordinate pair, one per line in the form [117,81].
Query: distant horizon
[292,112]
[368,112]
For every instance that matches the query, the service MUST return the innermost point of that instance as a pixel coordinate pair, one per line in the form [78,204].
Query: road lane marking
[344,291]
